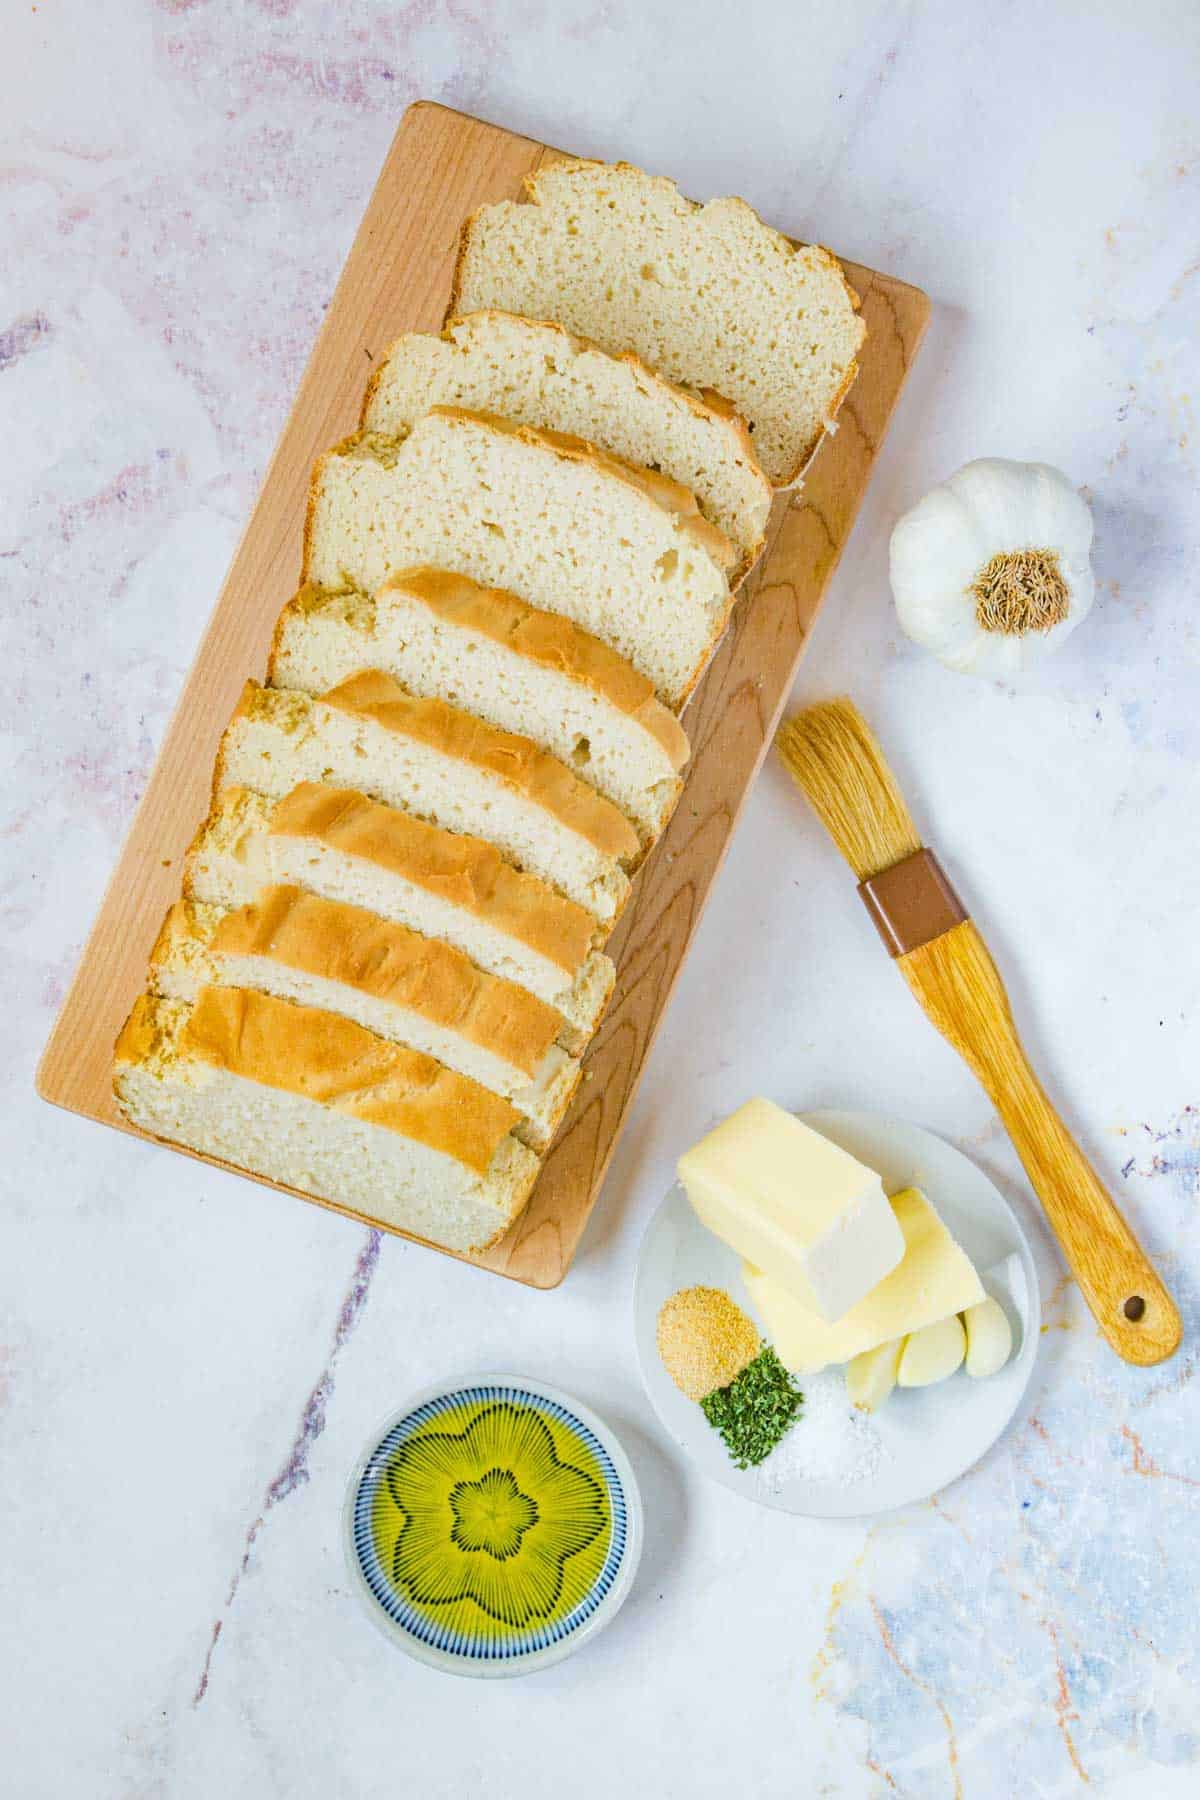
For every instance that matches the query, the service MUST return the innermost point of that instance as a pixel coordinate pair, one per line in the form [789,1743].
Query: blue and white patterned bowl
[492,1526]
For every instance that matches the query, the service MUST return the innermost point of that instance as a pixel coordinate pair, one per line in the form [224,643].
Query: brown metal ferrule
[912,902]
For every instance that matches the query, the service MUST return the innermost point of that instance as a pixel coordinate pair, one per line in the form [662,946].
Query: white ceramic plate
[926,1437]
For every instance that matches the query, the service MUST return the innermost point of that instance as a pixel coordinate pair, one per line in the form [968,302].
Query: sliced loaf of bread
[540,375]
[452,888]
[621,552]
[310,1099]
[409,989]
[707,295]
[526,671]
[442,764]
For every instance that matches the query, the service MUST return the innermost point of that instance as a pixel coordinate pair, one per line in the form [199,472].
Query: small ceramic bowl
[492,1526]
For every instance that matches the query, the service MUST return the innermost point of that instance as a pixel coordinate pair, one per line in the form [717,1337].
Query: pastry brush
[832,755]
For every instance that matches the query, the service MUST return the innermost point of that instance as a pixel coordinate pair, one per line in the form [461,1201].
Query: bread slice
[401,986]
[621,552]
[438,762]
[312,1100]
[456,889]
[707,295]
[538,374]
[504,661]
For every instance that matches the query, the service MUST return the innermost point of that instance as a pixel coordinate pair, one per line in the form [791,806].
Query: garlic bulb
[990,571]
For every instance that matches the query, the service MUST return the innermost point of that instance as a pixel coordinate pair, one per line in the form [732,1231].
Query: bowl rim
[529,1662]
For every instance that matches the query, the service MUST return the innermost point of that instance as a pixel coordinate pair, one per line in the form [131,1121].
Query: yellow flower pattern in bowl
[493,1527]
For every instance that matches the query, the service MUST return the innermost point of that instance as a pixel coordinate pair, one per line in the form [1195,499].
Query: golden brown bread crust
[336,942]
[334,1062]
[711,395]
[464,871]
[138,1036]
[705,405]
[547,639]
[142,1038]
[517,761]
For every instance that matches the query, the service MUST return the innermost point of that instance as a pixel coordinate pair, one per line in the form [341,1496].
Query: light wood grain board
[397,278]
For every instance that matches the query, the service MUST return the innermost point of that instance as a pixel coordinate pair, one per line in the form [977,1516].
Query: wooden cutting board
[442,165]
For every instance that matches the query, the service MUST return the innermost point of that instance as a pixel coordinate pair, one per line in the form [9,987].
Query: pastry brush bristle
[831,752]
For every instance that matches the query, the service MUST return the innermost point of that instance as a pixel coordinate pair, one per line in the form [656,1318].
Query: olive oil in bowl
[493,1526]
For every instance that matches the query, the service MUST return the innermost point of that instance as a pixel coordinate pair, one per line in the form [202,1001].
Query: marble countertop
[189,1364]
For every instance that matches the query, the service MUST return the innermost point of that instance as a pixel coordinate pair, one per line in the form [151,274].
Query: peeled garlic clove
[989,1338]
[933,1353]
[871,1376]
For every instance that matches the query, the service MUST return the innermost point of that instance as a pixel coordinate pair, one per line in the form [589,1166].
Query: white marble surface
[189,1364]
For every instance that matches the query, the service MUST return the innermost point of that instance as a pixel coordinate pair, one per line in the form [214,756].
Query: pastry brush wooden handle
[831,754]
[959,987]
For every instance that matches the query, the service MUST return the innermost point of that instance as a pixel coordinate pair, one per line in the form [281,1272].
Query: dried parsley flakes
[755,1410]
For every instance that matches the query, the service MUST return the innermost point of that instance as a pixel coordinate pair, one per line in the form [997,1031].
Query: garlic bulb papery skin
[991,570]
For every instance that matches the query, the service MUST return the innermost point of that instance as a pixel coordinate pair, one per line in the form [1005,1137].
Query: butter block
[787,1200]
[936,1278]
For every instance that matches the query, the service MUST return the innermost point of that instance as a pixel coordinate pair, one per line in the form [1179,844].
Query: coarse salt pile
[831,1442]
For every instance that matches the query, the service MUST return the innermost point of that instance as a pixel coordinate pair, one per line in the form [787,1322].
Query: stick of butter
[935,1279]
[785,1198]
